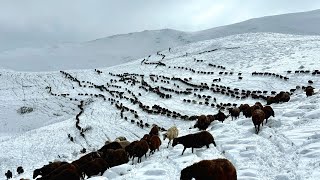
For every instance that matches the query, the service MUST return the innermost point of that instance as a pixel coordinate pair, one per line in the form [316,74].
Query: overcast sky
[37,22]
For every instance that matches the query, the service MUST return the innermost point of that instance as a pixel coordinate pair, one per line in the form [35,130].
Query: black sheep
[20,170]
[66,171]
[130,148]
[116,157]
[197,140]
[220,116]
[268,111]
[94,167]
[309,91]
[87,158]
[8,174]
[113,145]
[46,169]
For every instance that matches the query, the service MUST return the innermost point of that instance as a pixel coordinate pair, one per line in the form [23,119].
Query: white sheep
[171,134]
[120,138]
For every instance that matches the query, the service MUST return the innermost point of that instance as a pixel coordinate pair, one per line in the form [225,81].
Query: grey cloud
[41,22]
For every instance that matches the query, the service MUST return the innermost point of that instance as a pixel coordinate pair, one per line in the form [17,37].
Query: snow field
[287,147]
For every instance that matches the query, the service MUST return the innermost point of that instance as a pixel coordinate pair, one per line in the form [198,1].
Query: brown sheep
[282,97]
[94,167]
[64,172]
[234,112]
[116,157]
[259,105]
[154,130]
[248,112]
[154,143]
[243,107]
[221,169]
[268,111]
[146,137]
[46,169]
[255,107]
[270,100]
[202,123]
[139,149]
[309,91]
[257,118]
[197,140]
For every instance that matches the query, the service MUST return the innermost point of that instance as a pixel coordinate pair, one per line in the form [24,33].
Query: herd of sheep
[120,151]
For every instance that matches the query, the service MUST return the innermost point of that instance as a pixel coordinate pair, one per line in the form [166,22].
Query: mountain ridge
[118,49]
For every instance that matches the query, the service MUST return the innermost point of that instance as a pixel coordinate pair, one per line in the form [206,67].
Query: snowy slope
[110,51]
[288,147]
[303,23]
[118,49]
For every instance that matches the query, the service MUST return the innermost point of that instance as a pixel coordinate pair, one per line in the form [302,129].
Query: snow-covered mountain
[118,49]
[287,147]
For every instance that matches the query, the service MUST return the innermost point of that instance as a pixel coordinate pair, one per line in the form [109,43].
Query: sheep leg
[207,145]
[192,149]
[168,143]
[183,150]
[214,143]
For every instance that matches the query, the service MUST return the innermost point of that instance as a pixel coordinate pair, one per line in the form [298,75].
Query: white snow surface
[118,49]
[287,147]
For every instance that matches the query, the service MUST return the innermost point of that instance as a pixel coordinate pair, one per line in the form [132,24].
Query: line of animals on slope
[119,151]
[151,141]
[257,112]
[280,97]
